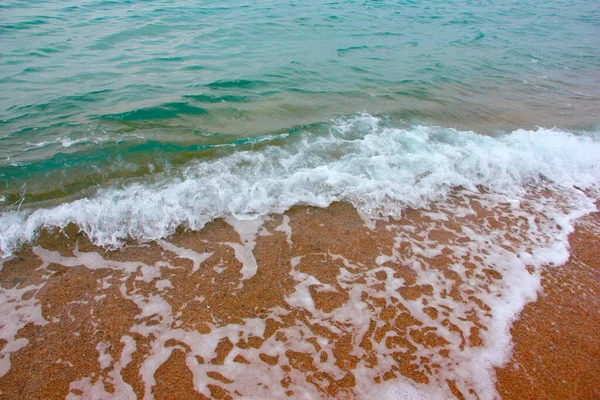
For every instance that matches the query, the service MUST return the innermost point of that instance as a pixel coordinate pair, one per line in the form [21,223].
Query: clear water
[102,93]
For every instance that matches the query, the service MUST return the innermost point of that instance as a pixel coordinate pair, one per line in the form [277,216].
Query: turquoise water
[98,95]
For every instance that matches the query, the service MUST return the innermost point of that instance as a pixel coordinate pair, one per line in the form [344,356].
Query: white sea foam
[247,230]
[17,312]
[196,258]
[376,168]
[285,228]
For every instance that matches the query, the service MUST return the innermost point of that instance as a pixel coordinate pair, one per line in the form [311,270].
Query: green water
[99,93]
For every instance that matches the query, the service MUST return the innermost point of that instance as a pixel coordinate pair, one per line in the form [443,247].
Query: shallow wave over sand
[378,168]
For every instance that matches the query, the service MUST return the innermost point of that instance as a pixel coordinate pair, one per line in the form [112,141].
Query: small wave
[164,111]
[380,170]
[207,98]
[238,84]
[345,50]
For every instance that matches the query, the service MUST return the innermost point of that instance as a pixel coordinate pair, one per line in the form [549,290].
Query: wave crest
[379,169]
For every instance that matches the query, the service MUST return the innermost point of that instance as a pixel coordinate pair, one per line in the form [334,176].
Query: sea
[447,147]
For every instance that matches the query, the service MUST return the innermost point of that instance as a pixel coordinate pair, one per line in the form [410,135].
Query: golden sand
[556,339]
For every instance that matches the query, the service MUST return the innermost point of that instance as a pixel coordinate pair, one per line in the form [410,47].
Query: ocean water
[140,122]
[96,94]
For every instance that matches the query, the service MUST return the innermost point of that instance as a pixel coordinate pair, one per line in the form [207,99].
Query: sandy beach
[303,305]
[557,341]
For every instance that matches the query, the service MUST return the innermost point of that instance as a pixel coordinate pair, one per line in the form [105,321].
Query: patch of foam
[286,228]
[196,258]
[16,313]
[104,359]
[370,223]
[98,298]
[4,259]
[247,230]
[93,387]
[87,388]
[106,282]
[94,261]
[163,284]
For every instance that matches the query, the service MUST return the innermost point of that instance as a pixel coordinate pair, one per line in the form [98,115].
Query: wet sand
[196,316]
[557,338]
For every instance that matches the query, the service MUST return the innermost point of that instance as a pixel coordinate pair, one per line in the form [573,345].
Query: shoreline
[556,338]
[259,307]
